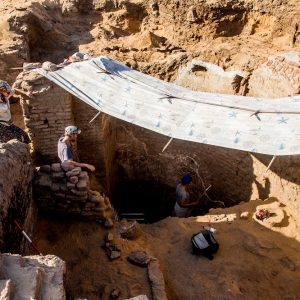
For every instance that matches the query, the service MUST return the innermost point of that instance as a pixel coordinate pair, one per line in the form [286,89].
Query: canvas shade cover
[259,125]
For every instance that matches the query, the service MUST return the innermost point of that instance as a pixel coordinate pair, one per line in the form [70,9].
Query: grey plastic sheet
[268,126]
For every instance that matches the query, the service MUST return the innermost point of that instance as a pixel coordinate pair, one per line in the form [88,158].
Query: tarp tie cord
[94,118]
[269,165]
[167,144]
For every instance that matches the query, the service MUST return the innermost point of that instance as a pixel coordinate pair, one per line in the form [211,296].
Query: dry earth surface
[255,260]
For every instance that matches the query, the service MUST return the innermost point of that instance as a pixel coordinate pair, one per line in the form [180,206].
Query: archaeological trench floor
[255,261]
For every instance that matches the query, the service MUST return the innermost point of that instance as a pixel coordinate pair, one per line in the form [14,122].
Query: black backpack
[204,243]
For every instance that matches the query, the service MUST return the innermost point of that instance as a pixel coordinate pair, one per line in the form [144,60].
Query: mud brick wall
[50,111]
[66,189]
[90,143]
[278,77]
[46,115]
[15,194]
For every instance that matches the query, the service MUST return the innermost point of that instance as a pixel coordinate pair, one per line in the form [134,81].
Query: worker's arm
[186,203]
[82,165]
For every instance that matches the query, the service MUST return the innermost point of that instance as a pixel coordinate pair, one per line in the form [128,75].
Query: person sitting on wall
[9,131]
[66,151]
[183,205]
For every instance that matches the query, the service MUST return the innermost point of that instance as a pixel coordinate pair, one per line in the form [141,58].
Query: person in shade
[183,205]
[8,130]
[65,150]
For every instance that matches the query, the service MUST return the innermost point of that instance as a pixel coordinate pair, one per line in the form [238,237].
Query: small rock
[114,254]
[130,231]
[45,169]
[73,179]
[139,258]
[56,167]
[70,185]
[74,172]
[66,166]
[54,187]
[83,175]
[115,293]
[109,237]
[245,215]
[82,185]
[109,223]
[58,175]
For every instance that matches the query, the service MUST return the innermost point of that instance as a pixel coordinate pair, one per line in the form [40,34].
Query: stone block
[43,180]
[59,195]
[83,174]
[45,169]
[82,185]
[66,166]
[55,187]
[79,193]
[74,172]
[70,185]
[56,167]
[56,176]
[73,179]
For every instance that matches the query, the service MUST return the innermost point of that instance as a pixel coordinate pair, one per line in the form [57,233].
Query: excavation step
[33,277]
[5,289]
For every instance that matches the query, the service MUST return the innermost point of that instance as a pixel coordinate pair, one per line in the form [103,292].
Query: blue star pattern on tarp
[269,126]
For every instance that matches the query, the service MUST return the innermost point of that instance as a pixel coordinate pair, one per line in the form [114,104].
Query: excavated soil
[255,260]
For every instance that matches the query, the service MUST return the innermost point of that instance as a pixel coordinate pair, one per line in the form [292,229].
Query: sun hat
[72,130]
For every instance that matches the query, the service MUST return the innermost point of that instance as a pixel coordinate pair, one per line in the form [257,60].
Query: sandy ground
[253,262]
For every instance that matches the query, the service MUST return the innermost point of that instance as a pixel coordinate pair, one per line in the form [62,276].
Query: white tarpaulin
[269,126]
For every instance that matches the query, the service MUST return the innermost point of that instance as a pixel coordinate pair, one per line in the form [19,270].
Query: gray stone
[109,237]
[66,166]
[139,258]
[79,193]
[70,185]
[74,172]
[82,185]
[157,282]
[57,175]
[109,223]
[56,167]
[73,179]
[43,180]
[45,169]
[83,175]
[55,187]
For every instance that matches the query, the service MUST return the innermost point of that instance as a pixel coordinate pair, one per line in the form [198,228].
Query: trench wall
[15,195]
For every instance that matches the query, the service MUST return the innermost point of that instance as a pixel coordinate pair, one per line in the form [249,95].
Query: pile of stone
[111,249]
[66,189]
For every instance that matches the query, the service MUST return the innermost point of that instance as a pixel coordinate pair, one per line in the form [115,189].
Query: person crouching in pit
[65,150]
[183,206]
[9,131]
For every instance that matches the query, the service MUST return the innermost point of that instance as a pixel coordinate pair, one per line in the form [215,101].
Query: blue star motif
[128,89]
[282,120]
[158,124]
[124,113]
[191,132]
[281,147]
[233,114]
[236,140]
